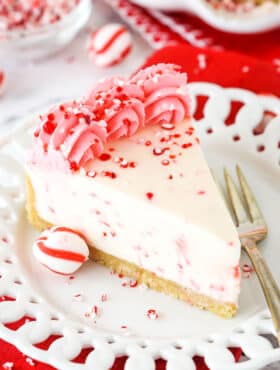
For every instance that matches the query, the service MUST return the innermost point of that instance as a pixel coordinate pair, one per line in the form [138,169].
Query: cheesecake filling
[150,200]
[138,232]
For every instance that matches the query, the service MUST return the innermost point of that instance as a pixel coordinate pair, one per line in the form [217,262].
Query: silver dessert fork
[252,228]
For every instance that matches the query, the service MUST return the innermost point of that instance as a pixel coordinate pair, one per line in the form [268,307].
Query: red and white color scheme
[109,45]
[26,15]
[125,161]
[2,81]
[160,29]
[61,250]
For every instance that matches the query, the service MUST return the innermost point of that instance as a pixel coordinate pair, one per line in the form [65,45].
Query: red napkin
[225,68]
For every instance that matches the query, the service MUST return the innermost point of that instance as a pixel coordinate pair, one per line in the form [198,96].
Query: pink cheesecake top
[73,134]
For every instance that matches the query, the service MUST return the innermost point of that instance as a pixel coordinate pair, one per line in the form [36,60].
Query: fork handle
[268,283]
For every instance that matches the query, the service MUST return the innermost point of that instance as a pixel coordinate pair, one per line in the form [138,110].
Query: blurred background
[49,59]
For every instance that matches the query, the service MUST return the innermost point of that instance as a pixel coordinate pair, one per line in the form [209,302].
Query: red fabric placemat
[225,68]
[265,46]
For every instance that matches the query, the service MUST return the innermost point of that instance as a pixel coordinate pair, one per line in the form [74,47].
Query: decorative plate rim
[256,21]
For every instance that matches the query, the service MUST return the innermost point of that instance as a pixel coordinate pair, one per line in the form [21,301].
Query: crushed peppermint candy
[247,268]
[8,365]
[276,62]
[201,61]
[168,126]
[133,283]
[70,278]
[2,80]
[29,361]
[104,297]
[149,195]
[78,297]
[129,283]
[245,69]
[125,283]
[93,313]
[247,271]
[28,15]
[152,314]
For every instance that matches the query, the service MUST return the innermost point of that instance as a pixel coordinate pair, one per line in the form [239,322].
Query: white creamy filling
[139,232]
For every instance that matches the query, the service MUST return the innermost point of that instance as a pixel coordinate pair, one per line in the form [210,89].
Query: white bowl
[262,18]
[40,42]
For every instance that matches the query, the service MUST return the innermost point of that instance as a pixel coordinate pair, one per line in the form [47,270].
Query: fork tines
[250,212]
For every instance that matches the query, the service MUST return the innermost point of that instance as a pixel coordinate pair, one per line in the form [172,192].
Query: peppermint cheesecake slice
[124,167]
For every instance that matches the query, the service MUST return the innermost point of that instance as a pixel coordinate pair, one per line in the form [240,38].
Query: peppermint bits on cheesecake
[61,250]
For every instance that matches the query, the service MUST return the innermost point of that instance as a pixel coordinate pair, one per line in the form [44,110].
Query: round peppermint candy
[61,250]
[109,45]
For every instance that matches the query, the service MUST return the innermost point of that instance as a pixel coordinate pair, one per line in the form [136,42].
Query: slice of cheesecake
[125,168]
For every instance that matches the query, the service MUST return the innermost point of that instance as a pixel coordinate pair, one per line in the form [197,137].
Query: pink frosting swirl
[77,131]
[72,130]
[120,104]
[166,98]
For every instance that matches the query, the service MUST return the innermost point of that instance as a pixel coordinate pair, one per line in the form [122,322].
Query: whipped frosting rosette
[72,130]
[165,96]
[77,131]
[120,104]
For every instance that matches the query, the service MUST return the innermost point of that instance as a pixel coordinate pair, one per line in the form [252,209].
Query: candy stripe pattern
[109,45]
[61,250]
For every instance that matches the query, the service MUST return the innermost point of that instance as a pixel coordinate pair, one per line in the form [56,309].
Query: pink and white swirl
[166,96]
[115,108]
[72,129]
[120,104]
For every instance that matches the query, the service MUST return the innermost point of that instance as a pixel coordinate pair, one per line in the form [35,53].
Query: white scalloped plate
[263,18]
[181,331]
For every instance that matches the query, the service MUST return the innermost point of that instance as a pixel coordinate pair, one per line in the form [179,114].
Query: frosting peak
[120,104]
[166,97]
[71,128]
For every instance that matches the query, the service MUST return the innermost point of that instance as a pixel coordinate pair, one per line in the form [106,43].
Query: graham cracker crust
[223,309]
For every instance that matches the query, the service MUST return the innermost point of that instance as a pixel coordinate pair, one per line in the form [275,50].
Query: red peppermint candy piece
[109,45]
